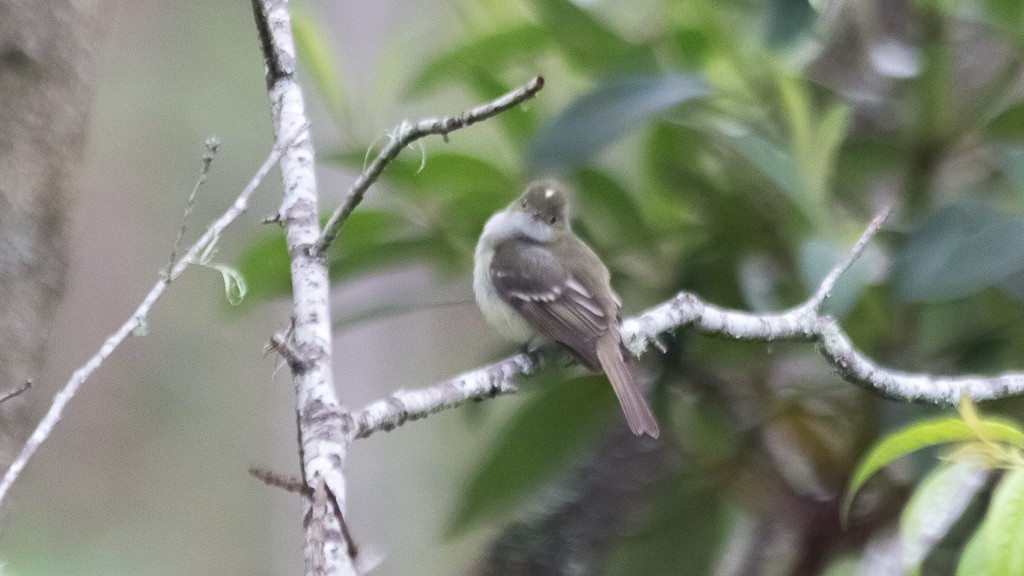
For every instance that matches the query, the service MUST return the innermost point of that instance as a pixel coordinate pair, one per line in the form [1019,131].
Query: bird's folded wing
[530,279]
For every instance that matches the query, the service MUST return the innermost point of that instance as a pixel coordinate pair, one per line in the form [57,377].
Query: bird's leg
[526,349]
[531,348]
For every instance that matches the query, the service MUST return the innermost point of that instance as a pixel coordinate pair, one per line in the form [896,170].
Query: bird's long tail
[627,389]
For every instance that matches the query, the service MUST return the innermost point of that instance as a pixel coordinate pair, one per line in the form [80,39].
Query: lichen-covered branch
[405,405]
[325,426]
[801,323]
[323,445]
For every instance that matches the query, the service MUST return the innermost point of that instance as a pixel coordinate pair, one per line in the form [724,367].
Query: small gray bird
[533,277]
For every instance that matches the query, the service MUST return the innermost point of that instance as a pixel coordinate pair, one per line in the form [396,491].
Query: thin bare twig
[408,133]
[286,483]
[60,401]
[14,393]
[281,344]
[830,281]
[212,146]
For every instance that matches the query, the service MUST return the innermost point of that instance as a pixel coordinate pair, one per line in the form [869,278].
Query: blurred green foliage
[946,495]
[737,149]
[534,446]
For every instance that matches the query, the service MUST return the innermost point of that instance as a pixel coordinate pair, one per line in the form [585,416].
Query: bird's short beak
[536,215]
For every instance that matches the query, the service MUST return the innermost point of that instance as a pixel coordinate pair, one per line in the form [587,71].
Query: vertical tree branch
[322,441]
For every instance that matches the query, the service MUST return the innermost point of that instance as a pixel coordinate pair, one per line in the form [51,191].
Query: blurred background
[734,149]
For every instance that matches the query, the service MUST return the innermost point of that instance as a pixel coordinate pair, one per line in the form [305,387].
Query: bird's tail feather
[627,389]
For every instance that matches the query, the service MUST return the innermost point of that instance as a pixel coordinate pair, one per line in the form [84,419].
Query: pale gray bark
[47,67]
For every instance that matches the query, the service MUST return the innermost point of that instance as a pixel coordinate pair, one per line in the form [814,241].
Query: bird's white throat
[502,227]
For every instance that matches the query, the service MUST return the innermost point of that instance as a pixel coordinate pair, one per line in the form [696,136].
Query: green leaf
[974,560]
[775,163]
[350,262]
[589,44]
[936,505]
[611,212]
[1004,526]
[684,535]
[786,20]
[1009,124]
[1012,286]
[596,119]
[860,160]
[266,266]
[1009,157]
[371,240]
[349,319]
[443,173]
[814,141]
[234,283]
[314,52]
[1007,15]
[829,135]
[957,251]
[555,423]
[923,435]
[518,123]
[995,548]
[461,175]
[401,171]
[489,52]
[479,66]
[674,154]
[691,46]
[845,565]
[454,193]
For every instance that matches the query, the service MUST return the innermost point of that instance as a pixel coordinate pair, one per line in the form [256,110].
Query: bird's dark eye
[554,219]
[524,204]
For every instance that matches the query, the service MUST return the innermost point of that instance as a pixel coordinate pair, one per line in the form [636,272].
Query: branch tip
[406,134]
[286,483]
[285,346]
[15,392]
[815,302]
